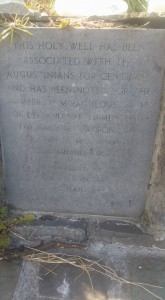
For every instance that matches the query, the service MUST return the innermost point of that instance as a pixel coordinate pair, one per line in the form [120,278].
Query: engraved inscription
[82,111]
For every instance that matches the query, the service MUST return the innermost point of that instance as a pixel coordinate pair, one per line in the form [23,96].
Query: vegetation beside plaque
[15,27]
[137,5]
[65,24]
[42,5]
[7,222]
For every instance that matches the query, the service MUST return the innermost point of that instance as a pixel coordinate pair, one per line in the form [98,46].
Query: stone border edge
[154,215]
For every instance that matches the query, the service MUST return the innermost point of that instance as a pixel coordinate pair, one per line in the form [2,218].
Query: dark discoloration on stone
[62,221]
[155,208]
[118,231]
[52,228]
[120,226]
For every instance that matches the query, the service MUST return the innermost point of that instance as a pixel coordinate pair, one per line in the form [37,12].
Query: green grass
[137,5]
[7,222]
[14,27]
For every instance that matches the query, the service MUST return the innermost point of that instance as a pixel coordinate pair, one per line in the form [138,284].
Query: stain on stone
[120,226]
[50,220]
[64,289]
[72,284]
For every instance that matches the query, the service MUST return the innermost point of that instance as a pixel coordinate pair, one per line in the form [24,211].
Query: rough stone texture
[79,230]
[16,7]
[155,208]
[13,7]
[46,230]
[121,231]
[120,226]
[118,231]
[35,235]
[78,119]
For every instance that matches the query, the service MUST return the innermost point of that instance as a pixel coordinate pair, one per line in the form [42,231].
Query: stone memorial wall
[78,116]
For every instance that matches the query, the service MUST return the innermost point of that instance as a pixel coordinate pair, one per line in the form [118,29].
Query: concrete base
[121,245]
[42,282]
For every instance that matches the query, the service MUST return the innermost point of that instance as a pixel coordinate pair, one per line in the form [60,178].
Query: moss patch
[6,224]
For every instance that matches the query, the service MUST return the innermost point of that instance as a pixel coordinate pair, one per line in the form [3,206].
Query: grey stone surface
[149,269]
[65,285]
[121,231]
[120,226]
[78,118]
[10,272]
[50,228]
[38,234]
[13,7]
[47,281]
[18,7]
[81,231]
[118,231]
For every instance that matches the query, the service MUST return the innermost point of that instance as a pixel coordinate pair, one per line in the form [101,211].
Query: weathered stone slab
[78,117]
[49,281]
[68,282]
[16,7]
[48,229]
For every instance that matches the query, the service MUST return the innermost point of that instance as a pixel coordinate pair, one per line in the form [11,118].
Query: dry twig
[86,266]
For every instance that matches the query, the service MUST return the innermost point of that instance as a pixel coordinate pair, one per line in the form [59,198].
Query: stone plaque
[78,116]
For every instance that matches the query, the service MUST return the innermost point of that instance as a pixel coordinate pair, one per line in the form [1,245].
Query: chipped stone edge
[35,235]
[154,215]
